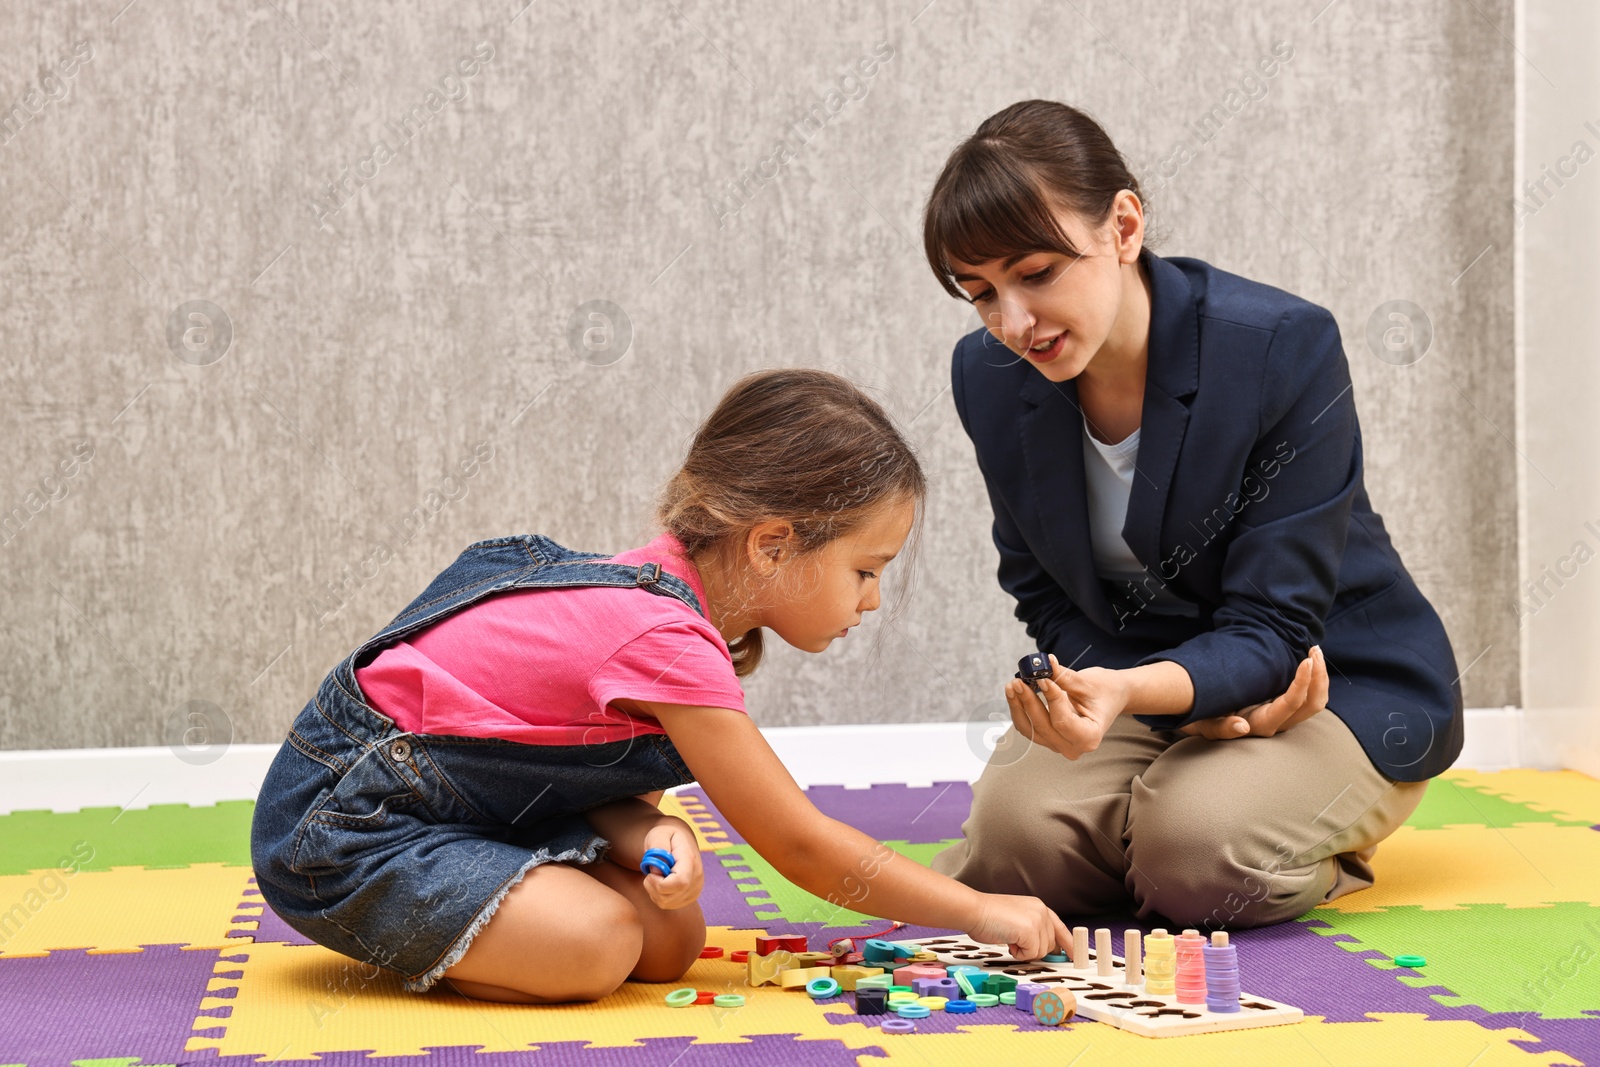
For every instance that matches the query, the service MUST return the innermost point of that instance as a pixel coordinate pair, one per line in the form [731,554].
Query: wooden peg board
[1110,1000]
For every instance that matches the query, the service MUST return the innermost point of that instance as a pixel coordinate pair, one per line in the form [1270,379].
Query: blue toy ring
[657,861]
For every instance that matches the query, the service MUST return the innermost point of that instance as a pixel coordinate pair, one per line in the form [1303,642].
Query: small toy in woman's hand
[1032,668]
[657,861]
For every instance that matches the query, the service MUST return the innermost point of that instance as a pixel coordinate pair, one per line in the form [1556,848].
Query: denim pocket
[367,809]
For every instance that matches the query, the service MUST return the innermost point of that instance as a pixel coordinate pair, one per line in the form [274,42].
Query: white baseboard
[854,756]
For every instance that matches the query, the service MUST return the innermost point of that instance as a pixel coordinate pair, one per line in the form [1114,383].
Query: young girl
[469,793]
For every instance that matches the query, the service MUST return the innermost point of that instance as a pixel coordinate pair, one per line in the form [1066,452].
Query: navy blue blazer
[1247,501]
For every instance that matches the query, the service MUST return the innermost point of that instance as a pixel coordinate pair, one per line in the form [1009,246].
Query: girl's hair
[803,445]
[996,194]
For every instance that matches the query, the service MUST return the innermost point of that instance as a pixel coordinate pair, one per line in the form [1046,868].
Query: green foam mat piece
[788,902]
[1448,803]
[162,835]
[1522,960]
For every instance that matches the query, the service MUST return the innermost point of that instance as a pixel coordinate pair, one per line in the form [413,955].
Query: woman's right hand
[1023,924]
[1306,696]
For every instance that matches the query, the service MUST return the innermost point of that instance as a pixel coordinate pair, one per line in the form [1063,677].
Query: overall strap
[503,564]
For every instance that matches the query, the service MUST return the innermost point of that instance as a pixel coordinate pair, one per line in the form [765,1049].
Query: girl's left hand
[682,887]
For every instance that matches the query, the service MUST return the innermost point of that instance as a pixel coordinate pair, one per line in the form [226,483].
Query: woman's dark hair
[1000,188]
[803,445]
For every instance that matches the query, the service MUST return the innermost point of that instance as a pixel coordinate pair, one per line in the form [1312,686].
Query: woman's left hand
[1306,696]
[1077,710]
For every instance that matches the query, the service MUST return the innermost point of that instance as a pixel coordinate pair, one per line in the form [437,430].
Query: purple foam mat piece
[71,1005]
[270,927]
[651,1052]
[919,814]
[1578,1038]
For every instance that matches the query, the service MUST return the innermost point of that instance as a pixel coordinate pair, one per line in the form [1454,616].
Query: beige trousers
[1214,834]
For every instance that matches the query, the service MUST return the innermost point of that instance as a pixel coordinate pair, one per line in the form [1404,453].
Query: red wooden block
[792,942]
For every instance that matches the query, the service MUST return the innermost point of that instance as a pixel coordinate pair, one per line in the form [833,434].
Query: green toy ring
[682,998]
[1410,961]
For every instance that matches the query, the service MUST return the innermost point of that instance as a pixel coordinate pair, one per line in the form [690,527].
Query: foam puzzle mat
[158,950]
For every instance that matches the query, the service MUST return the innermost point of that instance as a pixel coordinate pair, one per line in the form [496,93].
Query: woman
[1174,462]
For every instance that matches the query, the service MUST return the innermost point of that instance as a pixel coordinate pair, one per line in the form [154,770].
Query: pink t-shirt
[542,666]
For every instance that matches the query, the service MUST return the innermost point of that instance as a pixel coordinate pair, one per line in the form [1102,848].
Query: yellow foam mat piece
[1526,866]
[1564,794]
[708,832]
[294,1002]
[126,907]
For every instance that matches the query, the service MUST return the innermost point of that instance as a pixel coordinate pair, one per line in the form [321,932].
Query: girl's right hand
[1023,924]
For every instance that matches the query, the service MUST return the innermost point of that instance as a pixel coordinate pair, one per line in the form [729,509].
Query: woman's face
[1073,304]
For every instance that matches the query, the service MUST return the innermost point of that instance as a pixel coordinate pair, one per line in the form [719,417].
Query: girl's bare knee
[673,948]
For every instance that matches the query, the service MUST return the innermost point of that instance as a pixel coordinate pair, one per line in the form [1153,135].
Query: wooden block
[875,981]
[797,977]
[905,975]
[793,943]
[766,946]
[1132,950]
[764,970]
[849,974]
[1080,948]
[1102,952]
[813,959]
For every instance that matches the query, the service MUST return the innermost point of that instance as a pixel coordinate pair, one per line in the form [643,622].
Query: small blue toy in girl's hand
[657,861]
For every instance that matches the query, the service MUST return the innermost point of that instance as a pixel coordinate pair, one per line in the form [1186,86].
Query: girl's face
[818,597]
[1032,298]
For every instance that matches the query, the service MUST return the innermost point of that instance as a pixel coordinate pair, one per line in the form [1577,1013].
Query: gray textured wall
[253,506]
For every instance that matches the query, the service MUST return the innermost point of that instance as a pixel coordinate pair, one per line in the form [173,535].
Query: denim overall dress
[395,848]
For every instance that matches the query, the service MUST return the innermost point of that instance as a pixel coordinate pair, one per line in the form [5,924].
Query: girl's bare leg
[576,933]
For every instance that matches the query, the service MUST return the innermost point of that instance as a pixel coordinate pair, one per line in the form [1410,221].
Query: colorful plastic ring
[899,1026]
[985,1000]
[900,989]
[960,1007]
[657,861]
[1055,957]
[1009,997]
[705,996]
[711,952]
[902,996]
[740,955]
[1410,961]
[933,1003]
[912,1010]
[682,998]
[822,988]
[729,1000]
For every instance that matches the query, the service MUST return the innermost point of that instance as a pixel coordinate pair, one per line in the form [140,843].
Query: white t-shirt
[1108,476]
